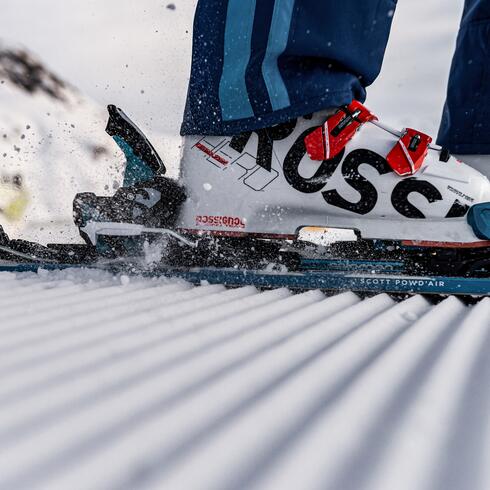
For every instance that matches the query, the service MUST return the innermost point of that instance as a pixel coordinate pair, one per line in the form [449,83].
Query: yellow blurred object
[14,211]
[13,198]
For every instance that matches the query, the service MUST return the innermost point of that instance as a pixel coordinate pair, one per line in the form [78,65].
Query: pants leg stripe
[234,99]
[278,40]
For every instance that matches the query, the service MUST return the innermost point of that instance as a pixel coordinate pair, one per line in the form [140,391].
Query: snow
[116,383]
[412,87]
[56,143]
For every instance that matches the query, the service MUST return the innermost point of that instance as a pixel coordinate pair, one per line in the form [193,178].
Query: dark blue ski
[326,280]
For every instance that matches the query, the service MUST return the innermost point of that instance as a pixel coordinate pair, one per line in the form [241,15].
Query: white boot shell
[231,192]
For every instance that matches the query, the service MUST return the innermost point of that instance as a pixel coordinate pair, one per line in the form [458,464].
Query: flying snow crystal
[154,252]
[207,186]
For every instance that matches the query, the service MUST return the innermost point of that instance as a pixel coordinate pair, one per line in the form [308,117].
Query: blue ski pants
[257,63]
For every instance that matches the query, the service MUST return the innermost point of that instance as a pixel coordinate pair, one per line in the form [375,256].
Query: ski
[341,276]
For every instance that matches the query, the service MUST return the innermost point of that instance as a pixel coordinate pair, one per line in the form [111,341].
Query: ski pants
[257,63]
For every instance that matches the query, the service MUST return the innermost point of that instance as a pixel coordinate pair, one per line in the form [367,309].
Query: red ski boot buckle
[409,153]
[329,140]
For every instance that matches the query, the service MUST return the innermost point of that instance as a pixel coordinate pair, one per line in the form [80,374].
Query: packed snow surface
[112,382]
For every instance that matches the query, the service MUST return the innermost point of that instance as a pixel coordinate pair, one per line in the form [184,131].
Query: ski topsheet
[333,280]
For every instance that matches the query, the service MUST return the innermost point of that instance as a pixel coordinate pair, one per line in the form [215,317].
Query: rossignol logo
[400,194]
[220,221]
[211,153]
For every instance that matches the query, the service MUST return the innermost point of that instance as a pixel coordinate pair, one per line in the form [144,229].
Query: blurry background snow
[52,146]
[137,55]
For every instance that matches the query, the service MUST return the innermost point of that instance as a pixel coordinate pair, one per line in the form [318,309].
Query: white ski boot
[349,171]
[478,162]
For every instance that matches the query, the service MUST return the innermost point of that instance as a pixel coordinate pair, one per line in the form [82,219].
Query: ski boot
[349,171]
[342,170]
